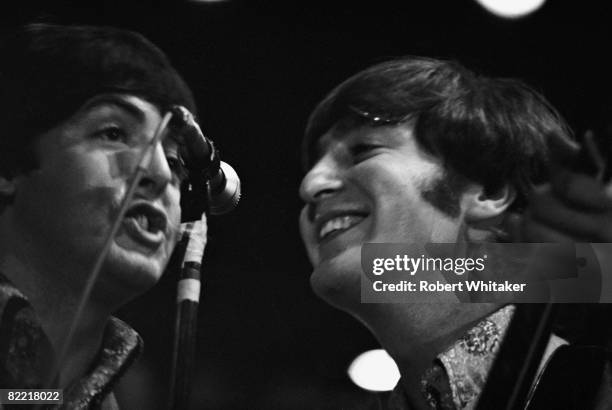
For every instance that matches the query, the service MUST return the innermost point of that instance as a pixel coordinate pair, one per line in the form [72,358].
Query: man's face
[366,186]
[65,207]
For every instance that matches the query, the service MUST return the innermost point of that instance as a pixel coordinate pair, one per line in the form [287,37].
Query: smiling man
[418,150]
[78,106]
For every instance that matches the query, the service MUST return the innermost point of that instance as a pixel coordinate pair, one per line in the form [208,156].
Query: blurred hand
[571,208]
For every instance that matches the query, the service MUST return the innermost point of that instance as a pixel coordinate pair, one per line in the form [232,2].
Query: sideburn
[444,192]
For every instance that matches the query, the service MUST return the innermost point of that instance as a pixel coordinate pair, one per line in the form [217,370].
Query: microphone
[204,164]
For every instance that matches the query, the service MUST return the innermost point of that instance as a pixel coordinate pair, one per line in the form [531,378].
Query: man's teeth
[339,223]
[147,219]
[142,221]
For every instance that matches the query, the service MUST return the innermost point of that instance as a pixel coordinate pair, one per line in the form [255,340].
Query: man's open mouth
[336,225]
[146,224]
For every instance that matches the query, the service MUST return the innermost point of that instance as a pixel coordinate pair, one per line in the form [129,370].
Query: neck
[54,293]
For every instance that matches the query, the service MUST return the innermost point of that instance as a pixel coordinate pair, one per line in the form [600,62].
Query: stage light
[511,8]
[374,370]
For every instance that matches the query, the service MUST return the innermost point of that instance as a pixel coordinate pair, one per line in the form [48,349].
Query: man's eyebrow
[110,99]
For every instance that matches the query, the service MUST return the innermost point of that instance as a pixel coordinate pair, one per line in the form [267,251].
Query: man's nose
[157,175]
[324,178]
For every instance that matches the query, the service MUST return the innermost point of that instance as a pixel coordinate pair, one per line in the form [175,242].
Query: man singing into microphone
[418,150]
[77,106]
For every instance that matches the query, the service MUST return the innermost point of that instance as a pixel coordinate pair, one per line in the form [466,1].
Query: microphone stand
[193,243]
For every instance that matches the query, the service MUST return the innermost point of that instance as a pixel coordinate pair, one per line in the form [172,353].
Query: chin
[129,274]
[338,284]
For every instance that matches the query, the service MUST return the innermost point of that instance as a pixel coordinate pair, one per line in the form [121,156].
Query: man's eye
[111,134]
[361,150]
[179,171]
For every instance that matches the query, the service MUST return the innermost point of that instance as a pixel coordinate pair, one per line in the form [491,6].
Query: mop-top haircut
[486,130]
[49,71]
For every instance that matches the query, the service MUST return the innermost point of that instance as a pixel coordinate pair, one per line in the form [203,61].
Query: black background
[265,341]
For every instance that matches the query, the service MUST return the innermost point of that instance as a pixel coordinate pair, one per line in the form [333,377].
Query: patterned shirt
[457,376]
[26,355]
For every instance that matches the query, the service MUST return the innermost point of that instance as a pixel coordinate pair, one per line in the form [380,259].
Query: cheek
[172,202]
[70,187]
[122,163]
[391,177]
[79,172]
[400,212]
[388,187]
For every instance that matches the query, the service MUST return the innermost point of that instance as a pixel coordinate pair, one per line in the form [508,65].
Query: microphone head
[227,199]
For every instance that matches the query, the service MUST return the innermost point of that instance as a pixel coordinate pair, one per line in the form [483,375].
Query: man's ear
[481,206]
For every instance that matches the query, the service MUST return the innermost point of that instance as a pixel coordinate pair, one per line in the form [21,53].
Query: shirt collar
[25,351]
[459,373]
[121,345]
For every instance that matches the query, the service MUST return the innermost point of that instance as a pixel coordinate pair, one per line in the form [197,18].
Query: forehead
[129,105]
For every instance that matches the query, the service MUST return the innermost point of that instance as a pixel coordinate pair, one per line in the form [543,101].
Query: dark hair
[490,131]
[49,71]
